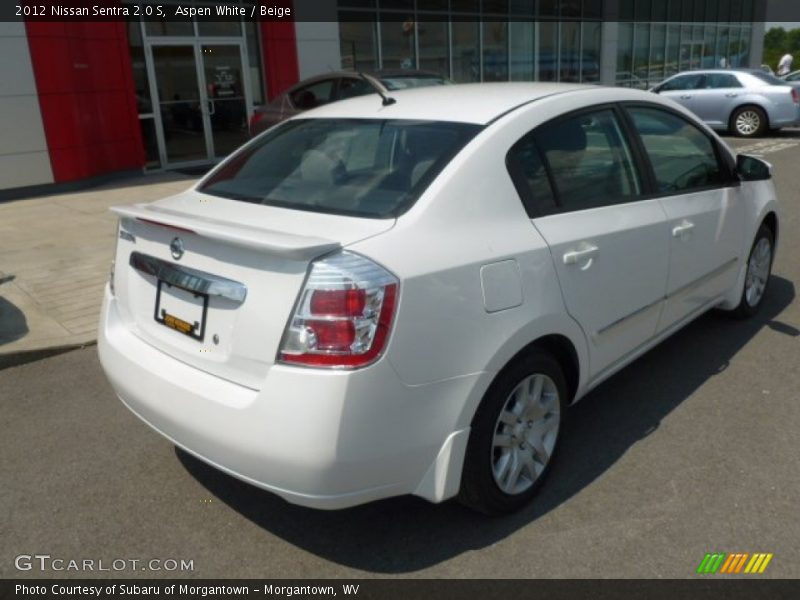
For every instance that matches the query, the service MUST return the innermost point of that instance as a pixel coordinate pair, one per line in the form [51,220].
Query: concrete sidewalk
[55,253]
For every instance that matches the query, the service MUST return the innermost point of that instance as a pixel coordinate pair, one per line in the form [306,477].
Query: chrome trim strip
[621,320]
[692,284]
[684,288]
[649,344]
[188,278]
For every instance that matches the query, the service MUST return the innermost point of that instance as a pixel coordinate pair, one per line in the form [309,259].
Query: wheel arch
[748,104]
[770,220]
[561,347]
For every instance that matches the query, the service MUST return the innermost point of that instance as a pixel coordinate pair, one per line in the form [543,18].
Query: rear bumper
[788,118]
[323,439]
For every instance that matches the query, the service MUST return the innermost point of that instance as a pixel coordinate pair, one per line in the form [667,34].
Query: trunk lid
[222,303]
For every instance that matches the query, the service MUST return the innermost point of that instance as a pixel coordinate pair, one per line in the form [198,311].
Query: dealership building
[82,101]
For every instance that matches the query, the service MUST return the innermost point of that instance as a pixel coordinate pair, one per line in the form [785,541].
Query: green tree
[776,44]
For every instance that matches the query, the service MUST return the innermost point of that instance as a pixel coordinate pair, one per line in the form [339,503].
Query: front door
[201,100]
[704,210]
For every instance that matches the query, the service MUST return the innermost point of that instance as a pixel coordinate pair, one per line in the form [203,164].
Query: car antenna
[386,100]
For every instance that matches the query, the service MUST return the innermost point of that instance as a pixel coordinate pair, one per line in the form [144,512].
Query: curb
[17,359]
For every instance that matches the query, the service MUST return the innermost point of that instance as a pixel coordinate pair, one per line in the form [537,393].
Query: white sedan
[403,296]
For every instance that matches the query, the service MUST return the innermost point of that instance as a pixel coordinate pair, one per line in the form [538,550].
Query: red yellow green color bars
[720,562]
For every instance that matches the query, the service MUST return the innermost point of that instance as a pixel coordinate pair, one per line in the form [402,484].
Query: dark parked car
[338,85]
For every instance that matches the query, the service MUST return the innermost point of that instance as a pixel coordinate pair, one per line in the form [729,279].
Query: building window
[625,55]
[590,51]
[358,47]
[495,51]
[466,51]
[434,47]
[521,50]
[398,44]
[547,66]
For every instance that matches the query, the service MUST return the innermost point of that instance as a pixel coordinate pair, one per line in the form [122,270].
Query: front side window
[683,157]
[589,160]
[684,82]
[362,167]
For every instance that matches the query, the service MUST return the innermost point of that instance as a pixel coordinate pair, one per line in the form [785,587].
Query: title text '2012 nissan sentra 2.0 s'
[376,298]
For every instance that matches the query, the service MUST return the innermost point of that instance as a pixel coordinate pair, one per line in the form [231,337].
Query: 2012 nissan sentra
[380,298]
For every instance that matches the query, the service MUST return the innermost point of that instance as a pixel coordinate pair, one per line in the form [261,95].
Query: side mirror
[751,168]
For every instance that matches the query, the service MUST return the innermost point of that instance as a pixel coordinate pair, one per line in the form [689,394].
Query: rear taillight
[795,96]
[343,316]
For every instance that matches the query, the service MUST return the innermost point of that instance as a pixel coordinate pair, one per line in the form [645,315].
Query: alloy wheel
[525,434]
[758,272]
[748,122]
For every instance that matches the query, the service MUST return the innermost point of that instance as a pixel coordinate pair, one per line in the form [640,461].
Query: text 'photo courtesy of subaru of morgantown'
[373,298]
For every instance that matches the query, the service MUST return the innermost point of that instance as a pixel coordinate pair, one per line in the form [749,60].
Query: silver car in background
[745,102]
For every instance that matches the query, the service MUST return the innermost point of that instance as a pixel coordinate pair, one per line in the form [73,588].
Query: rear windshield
[401,83]
[767,78]
[361,167]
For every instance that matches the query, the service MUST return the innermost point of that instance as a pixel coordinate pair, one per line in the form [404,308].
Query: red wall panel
[279,47]
[86,94]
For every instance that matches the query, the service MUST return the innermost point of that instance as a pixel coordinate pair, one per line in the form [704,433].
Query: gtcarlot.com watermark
[46,562]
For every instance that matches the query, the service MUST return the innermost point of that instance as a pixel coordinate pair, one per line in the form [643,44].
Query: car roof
[400,73]
[377,74]
[477,103]
[720,70]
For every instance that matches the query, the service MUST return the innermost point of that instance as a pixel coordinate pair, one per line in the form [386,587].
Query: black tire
[479,488]
[750,114]
[748,305]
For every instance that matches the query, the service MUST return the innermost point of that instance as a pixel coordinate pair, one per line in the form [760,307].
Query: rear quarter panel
[778,103]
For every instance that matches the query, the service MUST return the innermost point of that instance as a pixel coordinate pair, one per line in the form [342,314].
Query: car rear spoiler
[287,245]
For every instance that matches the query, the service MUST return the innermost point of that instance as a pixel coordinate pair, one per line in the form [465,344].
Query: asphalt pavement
[691,449]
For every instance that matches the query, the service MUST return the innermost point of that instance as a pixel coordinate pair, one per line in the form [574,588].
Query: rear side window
[683,157]
[530,177]
[361,167]
[589,160]
[313,95]
[349,88]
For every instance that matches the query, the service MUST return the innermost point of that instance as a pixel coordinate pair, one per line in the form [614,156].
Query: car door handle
[583,252]
[686,97]
[679,231]
[731,95]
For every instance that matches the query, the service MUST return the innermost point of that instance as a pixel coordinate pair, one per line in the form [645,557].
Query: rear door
[609,245]
[703,203]
[719,96]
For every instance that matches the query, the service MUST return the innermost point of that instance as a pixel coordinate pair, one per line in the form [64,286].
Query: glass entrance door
[180,105]
[202,100]
[225,97]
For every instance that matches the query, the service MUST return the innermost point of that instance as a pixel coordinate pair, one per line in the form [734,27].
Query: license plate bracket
[191,306]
